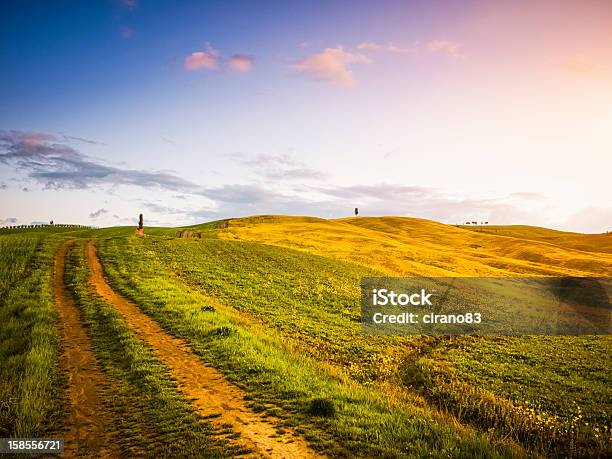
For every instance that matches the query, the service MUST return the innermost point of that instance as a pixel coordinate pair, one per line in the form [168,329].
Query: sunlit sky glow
[192,111]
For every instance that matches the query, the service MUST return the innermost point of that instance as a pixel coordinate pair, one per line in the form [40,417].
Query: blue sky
[190,111]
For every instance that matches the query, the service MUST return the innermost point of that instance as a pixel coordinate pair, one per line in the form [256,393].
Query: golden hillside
[412,246]
[585,242]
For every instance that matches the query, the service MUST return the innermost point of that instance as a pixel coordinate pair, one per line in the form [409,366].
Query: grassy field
[29,399]
[287,382]
[274,303]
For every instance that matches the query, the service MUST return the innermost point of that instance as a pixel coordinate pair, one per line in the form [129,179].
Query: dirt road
[88,423]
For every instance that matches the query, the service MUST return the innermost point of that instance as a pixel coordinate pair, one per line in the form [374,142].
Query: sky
[195,111]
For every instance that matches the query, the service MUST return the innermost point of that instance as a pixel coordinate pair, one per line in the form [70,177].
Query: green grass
[16,253]
[556,373]
[552,393]
[305,296]
[29,376]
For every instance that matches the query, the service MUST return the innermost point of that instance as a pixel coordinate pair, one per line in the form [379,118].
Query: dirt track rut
[87,427]
[210,392]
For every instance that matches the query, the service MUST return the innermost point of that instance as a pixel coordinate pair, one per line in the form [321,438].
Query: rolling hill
[410,246]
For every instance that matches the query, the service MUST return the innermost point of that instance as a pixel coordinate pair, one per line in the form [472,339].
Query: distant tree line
[44,225]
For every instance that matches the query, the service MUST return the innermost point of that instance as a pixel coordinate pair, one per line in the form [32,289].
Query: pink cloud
[240,63]
[330,65]
[450,48]
[36,138]
[202,60]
